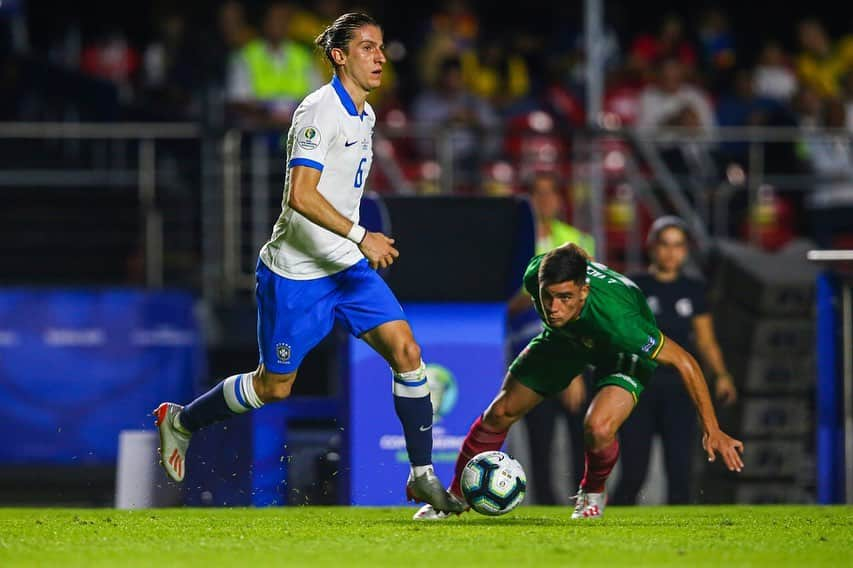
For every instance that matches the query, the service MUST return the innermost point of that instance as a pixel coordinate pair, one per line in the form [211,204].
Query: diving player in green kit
[593,316]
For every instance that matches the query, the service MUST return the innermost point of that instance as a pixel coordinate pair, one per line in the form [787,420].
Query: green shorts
[548,364]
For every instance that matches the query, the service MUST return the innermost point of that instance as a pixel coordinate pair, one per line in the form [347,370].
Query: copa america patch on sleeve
[282,352]
[308,138]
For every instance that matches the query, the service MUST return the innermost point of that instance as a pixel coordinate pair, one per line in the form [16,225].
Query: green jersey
[616,333]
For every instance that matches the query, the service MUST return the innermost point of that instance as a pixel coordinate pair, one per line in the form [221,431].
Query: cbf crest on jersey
[282,352]
[308,138]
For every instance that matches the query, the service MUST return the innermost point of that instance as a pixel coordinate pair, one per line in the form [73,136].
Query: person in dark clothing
[679,305]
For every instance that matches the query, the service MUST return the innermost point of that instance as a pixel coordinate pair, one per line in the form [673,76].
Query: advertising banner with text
[463,348]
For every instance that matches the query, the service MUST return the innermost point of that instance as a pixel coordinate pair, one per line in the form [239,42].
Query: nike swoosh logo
[348,144]
[424,429]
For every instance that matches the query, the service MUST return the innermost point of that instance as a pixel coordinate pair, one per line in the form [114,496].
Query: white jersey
[328,134]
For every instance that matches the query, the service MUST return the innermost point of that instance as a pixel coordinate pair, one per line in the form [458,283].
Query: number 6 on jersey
[359,174]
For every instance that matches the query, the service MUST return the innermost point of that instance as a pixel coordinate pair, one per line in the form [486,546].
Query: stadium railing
[620,179]
[44,156]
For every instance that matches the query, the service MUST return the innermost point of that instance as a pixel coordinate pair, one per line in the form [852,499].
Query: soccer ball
[493,483]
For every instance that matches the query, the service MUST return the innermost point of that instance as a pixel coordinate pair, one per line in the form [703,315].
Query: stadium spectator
[524,324]
[451,31]
[742,107]
[671,102]
[307,23]
[717,42]
[269,76]
[808,106]
[647,50]
[679,305]
[820,65]
[234,27]
[774,78]
[235,33]
[830,158]
[112,58]
[170,70]
[467,119]
[495,75]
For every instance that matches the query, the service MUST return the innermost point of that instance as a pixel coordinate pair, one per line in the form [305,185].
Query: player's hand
[725,390]
[574,396]
[379,250]
[729,448]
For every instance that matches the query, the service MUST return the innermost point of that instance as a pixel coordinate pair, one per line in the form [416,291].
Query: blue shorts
[295,315]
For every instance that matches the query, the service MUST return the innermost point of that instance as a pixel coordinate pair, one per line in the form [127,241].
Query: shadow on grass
[481,521]
[613,522]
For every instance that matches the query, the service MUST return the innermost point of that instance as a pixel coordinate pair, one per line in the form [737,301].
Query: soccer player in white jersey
[319,267]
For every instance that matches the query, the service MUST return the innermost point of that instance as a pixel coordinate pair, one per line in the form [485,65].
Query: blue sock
[235,395]
[414,409]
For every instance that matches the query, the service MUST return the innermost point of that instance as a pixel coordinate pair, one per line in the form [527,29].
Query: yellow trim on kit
[658,350]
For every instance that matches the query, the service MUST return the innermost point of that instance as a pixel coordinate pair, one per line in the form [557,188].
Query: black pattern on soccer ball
[487,471]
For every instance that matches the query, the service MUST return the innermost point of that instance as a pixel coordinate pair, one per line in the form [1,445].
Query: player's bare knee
[598,432]
[273,386]
[406,356]
[499,417]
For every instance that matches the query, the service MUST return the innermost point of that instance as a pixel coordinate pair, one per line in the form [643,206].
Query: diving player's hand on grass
[379,250]
[729,448]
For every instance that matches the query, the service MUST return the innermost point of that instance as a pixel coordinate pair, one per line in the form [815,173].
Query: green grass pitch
[769,537]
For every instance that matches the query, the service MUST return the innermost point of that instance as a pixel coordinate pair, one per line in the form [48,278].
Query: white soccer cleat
[428,513]
[589,505]
[173,442]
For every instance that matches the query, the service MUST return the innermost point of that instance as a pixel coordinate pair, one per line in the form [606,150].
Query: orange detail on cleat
[161,412]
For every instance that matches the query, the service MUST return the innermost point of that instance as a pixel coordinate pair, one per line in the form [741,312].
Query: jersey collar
[346,100]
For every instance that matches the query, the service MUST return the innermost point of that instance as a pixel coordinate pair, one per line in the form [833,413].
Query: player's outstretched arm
[713,439]
[310,203]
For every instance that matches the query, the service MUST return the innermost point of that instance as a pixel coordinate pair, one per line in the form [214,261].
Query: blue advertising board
[463,347]
[77,367]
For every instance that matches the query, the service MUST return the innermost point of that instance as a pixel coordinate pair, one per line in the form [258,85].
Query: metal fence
[123,157]
[623,173]
[232,181]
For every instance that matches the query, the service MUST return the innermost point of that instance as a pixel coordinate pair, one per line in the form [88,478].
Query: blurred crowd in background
[248,64]
[458,71]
